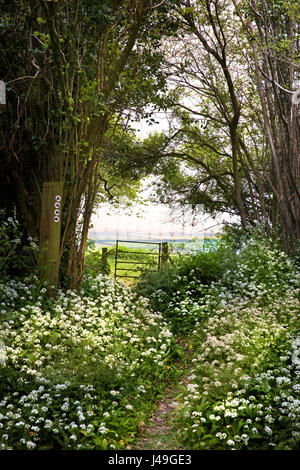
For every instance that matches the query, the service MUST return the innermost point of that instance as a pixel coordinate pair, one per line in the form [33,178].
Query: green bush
[176,287]
[18,253]
[204,267]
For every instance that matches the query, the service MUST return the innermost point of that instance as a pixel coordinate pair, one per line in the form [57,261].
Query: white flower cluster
[75,338]
[249,311]
[248,419]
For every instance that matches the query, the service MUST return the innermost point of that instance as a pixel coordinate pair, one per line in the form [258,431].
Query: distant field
[193,244]
[100,245]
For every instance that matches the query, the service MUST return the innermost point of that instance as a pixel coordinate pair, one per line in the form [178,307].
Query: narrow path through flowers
[161,432]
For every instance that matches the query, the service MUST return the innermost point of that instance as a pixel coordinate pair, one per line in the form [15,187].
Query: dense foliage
[179,287]
[82,369]
[17,253]
[243,390]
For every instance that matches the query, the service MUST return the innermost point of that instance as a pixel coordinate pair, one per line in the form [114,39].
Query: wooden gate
[160,252]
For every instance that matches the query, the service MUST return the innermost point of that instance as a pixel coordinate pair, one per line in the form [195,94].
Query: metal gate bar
[139,253]
[132,262]
[135,241]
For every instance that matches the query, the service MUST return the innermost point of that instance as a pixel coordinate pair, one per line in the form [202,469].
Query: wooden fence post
[104,258]
[50,231]
[165,252]
[116,257]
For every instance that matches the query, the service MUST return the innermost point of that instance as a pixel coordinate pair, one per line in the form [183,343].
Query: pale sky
[152,220]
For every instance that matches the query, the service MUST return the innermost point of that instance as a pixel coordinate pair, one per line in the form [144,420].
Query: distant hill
[108,237]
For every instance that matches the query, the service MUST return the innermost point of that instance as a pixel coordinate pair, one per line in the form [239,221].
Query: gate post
[116,257]
[50,231]
[165,253]
[103,258]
